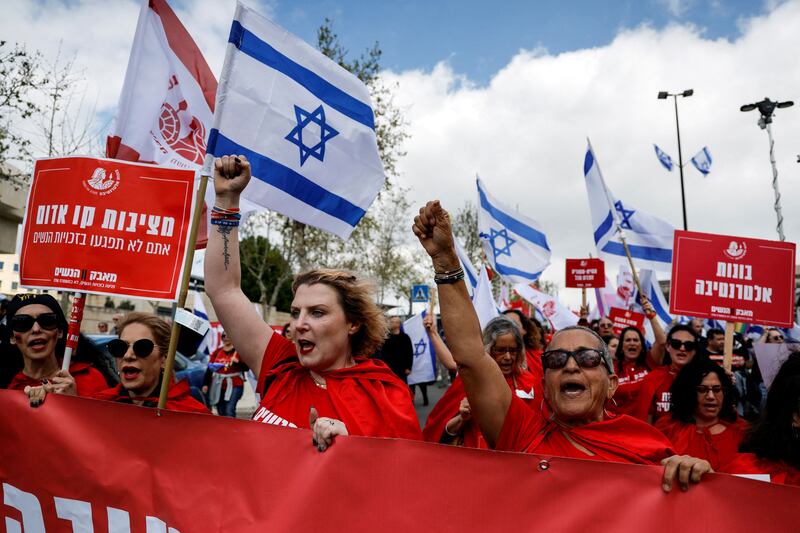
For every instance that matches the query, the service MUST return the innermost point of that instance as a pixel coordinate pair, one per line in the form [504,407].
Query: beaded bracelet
[445,278]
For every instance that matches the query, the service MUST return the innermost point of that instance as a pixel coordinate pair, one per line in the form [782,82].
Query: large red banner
[585,273]
[733,278]
[76,462]
[106,226]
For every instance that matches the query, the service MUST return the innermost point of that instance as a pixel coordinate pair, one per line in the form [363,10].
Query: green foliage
[19,78]
[263,268]
[465,228]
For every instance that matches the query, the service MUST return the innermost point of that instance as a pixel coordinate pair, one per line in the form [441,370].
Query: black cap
[21,300]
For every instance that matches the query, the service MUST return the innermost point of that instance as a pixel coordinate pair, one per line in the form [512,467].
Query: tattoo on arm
[225,231]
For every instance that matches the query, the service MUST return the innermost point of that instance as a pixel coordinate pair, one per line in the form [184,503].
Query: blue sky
[479,38]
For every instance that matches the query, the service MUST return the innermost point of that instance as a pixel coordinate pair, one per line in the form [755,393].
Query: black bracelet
[448,279]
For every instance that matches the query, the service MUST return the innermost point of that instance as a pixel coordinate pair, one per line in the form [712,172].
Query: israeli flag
[470,273]
[199,309]
[423,369]
[514,244]
[305,124]
[652,290]
[483,300]
[702,161]
[551,309]
[649,238]
[663,158]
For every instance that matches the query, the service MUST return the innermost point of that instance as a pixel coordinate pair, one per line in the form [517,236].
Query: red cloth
[654,396]
[368,397]
[620,439]
[688,439]
[630,383]
[88,380]
[447,407]
[179,398]
[748,463]
[231,367]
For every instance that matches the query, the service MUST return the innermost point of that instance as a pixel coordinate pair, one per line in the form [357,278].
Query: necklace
[320,384]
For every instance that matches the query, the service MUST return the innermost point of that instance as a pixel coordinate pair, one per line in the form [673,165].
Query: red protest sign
[586,273]
[733,278]
[106,226]
[622,318]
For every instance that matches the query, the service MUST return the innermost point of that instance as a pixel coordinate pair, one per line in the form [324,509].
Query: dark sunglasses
[703,389]
[689,346]
[23,323]
[585,357]
[141,348]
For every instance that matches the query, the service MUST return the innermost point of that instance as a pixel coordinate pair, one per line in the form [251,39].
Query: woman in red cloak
[633,362]
[450,421]
[140,353]
[323,378]
[773,447]
[703,421]
[38,330]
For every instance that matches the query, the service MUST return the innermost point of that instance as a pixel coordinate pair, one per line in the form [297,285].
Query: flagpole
[74,328]
[166,379]
[616,222]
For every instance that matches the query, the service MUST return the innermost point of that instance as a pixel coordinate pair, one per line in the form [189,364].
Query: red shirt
[688,439]
[630,383]
[88,380]
[368,397]
[620,439]
[448,405]
[654,396]
[179,398]
[748,463]
[222,357]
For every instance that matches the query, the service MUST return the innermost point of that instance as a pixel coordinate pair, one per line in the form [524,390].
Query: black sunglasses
[689,346]
[141,348]
[585,357]
[23,323]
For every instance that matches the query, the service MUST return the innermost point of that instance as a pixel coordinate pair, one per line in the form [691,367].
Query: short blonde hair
[158,327]
[356,298]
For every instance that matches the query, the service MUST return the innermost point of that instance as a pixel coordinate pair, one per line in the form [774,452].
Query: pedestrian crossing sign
[419,293]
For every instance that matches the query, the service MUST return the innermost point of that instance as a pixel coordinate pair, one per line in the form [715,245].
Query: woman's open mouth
[305,346]
[572,389]
[130,373]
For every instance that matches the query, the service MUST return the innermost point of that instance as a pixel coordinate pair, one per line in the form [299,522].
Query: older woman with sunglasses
[140,353]
[578,380]
[703,421]
[38,329]
[653,401]
[450,421]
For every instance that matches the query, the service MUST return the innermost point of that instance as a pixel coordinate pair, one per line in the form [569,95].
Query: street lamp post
[767,108]
[662,95]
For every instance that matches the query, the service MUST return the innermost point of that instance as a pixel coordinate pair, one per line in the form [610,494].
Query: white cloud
[525,133]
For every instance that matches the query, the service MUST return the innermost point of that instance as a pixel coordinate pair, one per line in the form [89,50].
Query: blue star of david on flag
[420,348]
[625,223]
[326,133]
[495,235]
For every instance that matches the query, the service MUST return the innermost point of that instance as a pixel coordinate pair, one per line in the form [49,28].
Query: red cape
[630,383]
[748,463]
[688,439]
[447,407]
[88,380]
[368,397]
[657,379]
[620,439]
[179,398]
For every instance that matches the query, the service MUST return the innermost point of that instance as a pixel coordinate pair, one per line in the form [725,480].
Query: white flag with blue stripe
[483,299]
[423,368]
[702,161]
[199,309]
[470,274]
[652,290]
[663,158]
[514,244]
[649,238]
[305,124]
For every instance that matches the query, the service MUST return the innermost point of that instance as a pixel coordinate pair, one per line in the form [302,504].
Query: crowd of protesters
[339,368]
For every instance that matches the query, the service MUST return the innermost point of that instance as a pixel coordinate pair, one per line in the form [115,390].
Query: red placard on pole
[586,273]
[623,318]
[733,278]
[107,227]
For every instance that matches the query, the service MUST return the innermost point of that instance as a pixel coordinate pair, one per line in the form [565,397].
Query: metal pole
[775,183]
[680,162]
